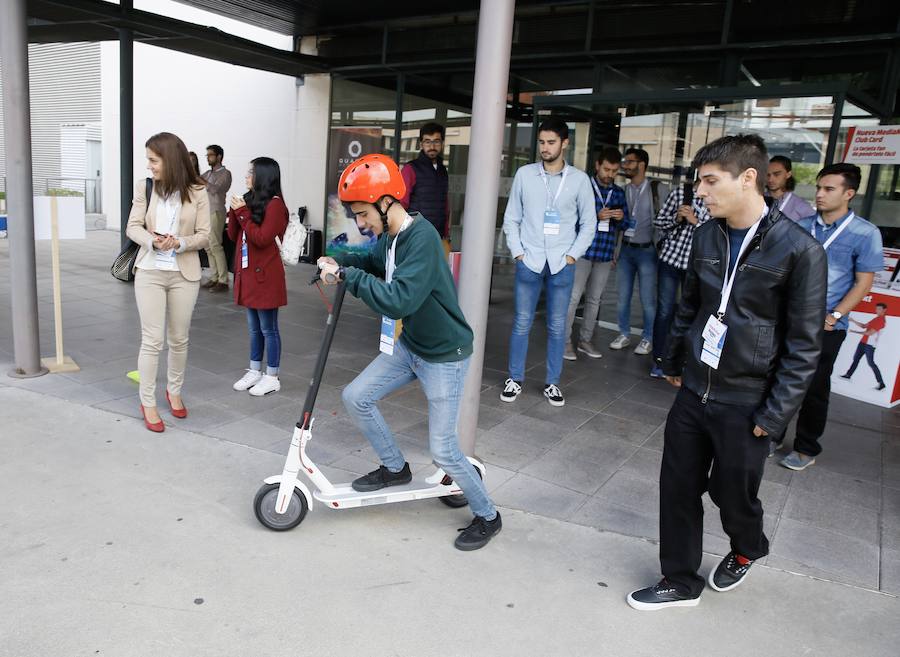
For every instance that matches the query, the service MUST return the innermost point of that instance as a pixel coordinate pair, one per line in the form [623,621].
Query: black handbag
[123,266]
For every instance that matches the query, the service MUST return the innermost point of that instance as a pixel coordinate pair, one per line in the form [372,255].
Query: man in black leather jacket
[743,359]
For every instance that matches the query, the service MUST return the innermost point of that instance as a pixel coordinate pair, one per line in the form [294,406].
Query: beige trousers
[165,301]
[218,264]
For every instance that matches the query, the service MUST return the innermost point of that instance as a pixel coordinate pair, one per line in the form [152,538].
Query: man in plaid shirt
[676,221]
[592,270]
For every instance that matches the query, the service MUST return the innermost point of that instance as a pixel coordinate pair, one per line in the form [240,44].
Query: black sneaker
[511,390]
[554,395]
[382,477]
[880,386]
[478,533]
[660,596]
[729,573]
[845,376]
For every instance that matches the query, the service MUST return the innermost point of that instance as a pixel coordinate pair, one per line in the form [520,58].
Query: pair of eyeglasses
[432,142]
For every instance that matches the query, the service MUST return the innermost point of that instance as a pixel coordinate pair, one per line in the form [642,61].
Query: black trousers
[813,414]
[708,447]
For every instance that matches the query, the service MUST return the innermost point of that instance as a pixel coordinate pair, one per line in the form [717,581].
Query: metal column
[835,131]
[19,189]
[126,125]
[495,21]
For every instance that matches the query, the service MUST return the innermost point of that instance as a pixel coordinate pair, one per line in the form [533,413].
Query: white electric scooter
[283,500]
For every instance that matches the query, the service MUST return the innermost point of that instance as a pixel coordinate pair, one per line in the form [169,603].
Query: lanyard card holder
[713,342]
[390,333]
[551,222]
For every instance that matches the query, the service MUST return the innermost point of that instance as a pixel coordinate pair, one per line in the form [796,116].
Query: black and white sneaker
[511,391]
[730,572]
[554,395]
[660,596]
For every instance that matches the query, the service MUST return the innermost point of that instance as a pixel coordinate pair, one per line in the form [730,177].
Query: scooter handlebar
[329,278]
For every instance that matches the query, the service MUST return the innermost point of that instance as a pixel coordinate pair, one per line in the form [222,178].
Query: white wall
[248,112]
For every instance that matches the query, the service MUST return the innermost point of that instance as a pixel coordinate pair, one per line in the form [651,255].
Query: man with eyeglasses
[427,183]
[637,258]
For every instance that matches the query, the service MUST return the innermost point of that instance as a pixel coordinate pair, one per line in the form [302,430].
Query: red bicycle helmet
[369,178]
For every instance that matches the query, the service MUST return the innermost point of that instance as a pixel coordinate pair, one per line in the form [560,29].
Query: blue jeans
[442,384]
[264,336]
[528,291]
[668,279]
[642,263]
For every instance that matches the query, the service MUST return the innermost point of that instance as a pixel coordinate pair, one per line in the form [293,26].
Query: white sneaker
[620,342]
[644,347]
[250,379]
[266,385]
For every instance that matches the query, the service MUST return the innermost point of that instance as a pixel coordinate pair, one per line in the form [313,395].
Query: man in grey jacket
[780,184]
[218,182]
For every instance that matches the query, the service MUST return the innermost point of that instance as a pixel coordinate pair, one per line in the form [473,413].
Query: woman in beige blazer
[171,229]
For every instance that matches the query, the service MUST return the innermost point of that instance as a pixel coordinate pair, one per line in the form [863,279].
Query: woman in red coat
[254,222]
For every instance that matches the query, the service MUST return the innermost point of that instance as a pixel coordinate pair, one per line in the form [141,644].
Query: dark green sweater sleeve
[363,260]
[413,280]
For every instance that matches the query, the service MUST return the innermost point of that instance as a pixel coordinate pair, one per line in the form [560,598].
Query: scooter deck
[344,497]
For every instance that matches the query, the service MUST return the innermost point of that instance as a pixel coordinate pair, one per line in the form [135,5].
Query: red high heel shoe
[177,412]
[156,427]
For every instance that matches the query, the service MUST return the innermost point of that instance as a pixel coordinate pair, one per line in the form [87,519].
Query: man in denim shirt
[853,248]
[549,223]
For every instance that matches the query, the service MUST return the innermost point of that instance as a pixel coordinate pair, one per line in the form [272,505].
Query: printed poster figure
[868,342]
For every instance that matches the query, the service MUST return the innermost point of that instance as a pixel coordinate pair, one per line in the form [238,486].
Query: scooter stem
[319,370]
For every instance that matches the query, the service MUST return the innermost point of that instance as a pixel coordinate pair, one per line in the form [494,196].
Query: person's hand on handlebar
[330,271]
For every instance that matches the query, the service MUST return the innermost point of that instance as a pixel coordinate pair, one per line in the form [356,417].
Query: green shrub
[58,191]
[2,196]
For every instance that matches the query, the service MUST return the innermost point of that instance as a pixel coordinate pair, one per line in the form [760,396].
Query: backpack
[291,245]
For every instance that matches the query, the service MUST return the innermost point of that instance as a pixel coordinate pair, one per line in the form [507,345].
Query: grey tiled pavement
[594,462]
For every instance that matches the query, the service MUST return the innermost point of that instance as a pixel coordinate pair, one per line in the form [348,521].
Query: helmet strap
[384,215]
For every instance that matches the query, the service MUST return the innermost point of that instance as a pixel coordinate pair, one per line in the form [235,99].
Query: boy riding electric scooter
[406,277]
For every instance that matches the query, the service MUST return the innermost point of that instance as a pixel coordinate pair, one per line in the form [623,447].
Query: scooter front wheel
[264,508]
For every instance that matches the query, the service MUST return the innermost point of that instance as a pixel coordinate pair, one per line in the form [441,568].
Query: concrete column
[492,55]
[19,189]
[309,145]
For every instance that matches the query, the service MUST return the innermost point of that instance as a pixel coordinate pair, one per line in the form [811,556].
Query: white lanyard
[604,201]
[391,266]
[729,280]
[633,202]
[784,201]
[834,235]
[552,204]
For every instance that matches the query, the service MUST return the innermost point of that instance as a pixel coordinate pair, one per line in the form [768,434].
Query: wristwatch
[837,314]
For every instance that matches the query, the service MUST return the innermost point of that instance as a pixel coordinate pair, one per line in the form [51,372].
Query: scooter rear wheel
[264,508]
[459,500]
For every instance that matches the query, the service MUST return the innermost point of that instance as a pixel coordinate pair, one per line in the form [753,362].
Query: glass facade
[809,129]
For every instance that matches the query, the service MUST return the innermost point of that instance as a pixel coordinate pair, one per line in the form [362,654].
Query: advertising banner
[868,365]
[348,143]
[879,145]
